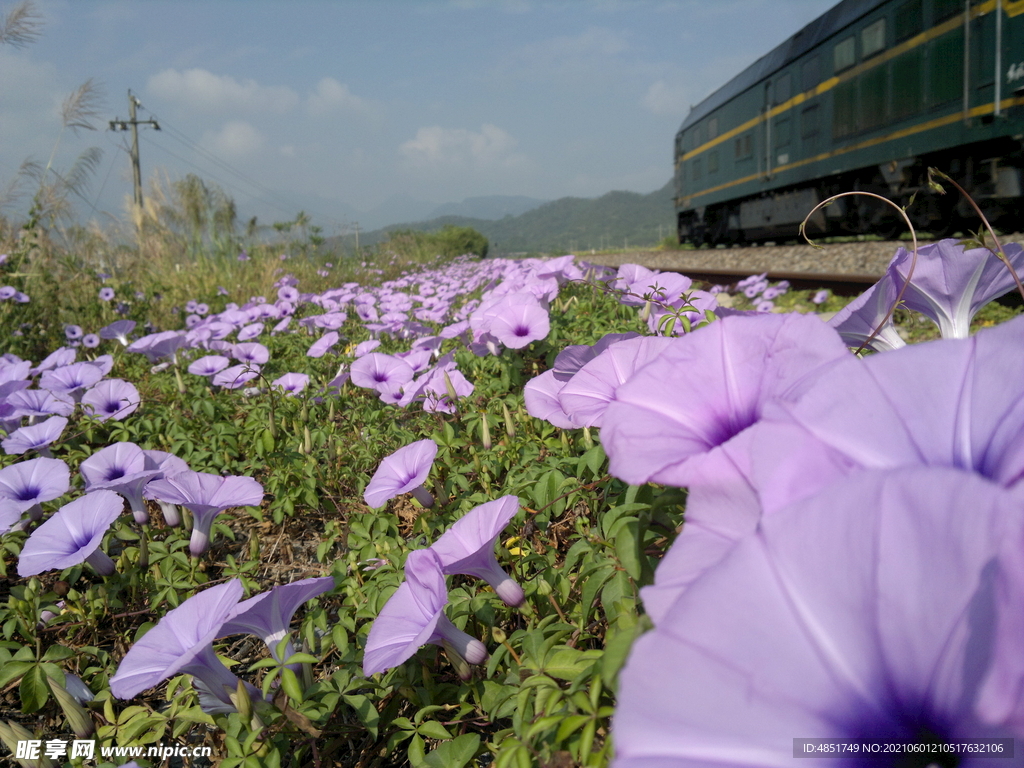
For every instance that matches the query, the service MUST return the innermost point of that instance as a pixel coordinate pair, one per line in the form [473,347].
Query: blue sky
[347,108]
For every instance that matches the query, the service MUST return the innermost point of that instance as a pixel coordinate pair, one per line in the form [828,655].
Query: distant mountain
[489,207]
[566,225]
[396,208]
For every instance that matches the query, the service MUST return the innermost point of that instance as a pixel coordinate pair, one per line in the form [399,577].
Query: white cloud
[459,147]
[330,95]
[201,89]
[568,55]
[665,99]
[509,6]
[235,139]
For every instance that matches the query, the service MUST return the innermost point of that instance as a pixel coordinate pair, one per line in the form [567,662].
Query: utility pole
[122,125]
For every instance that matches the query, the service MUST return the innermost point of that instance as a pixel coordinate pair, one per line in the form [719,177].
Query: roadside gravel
[855,258]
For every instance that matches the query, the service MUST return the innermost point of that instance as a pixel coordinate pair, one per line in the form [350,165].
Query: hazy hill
[614,220]
[488,207]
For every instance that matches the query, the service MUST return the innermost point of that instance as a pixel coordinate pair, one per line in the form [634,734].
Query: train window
[872,38]
[844,109]
[783,89]
[809,122]
[744,146]
[907,83]
[909,20]
[712,162]
[809,128]
[810,73]
[874,96]
[844,54]
[943,9]
[945,67]
[782,132]
[712,129]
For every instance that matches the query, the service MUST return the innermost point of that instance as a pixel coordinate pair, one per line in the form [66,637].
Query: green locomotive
[866,97]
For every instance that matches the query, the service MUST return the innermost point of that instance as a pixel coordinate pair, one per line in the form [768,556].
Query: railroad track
[841,284]
[844,268]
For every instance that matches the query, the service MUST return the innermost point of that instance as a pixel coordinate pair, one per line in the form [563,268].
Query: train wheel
[930,213]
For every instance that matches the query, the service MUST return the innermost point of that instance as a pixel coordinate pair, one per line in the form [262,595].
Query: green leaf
[368,714]
[454,754]
[592,586]
[33,690]
[570,663]
[301,658]
[12,670]
[616,649]
[627,547]
[290,684]
[570,725]
[433,730]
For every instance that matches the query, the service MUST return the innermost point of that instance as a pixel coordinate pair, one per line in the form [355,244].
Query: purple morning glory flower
[72,536]
[292,383]
[118,330]
[250,352]
[586,396]
[953,403]
[365,347]
[668,419]
[404,471]
[73,332]
[865,612]
[208,365]
[29,483]
[516,325]
[414,616]
[10,514]
[122,468]
[35,438]
[56,359]
[90,341]
[182,643]
[167,464]
[468,547]
[70,379]
[158,345]
[40,402]
[950,284]
[236,376]
[641,282]
[324,343]
[106,294]
[380,372]
[820,297]
[268,614]
[541,397]
[857,321]
[111,399]
[206,496]
[250,331]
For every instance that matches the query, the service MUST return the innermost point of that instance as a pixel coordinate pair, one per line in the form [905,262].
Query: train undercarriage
[992,175]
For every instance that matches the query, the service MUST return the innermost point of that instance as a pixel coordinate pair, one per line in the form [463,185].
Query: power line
[133,123]
[216,178]
[192,145]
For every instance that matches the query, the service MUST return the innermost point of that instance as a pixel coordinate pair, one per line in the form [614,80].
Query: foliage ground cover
[479,337]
